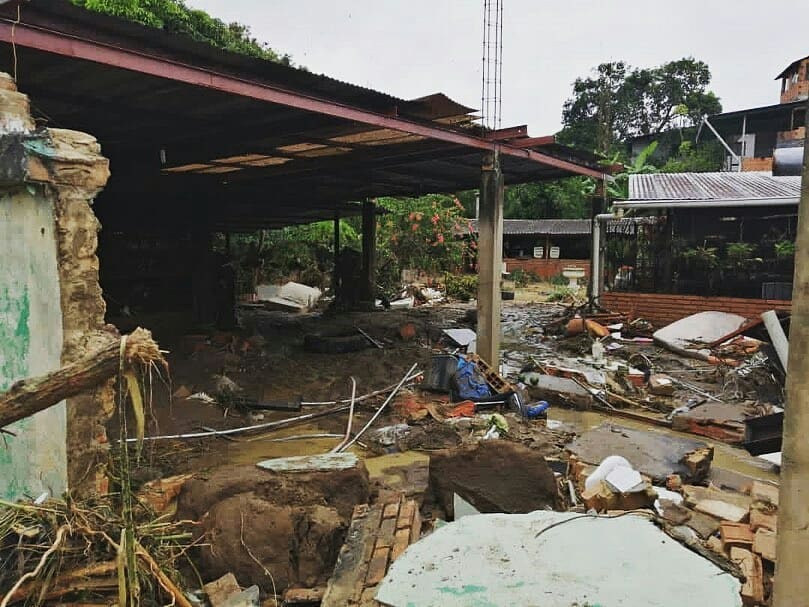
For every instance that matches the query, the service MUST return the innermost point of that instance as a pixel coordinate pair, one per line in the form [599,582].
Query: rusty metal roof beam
[42,39]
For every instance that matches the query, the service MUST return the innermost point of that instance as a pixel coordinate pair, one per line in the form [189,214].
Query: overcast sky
[410,48]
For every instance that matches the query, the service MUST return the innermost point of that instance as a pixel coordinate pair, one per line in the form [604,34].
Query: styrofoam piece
[607,465]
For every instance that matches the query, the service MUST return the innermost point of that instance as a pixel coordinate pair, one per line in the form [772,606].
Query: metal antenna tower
[491,93]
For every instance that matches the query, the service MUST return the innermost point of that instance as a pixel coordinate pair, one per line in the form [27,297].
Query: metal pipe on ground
[350,417]
[379,411]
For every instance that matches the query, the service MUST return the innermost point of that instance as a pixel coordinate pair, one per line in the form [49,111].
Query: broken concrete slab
[721,510]
[689,336]
[245,598]
[694,494]
[654,454]
[705,526]
[763,520]
[764,544]
[311,463]
[764,492]
[290,297]
[221,589]
[559,391]
[500,560]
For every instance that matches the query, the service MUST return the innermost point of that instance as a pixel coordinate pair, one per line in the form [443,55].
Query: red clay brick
[400,544]
[406,516]
[386,531]
[378,566]
[391,510]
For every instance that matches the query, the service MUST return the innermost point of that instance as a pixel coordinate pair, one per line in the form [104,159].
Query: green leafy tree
[690,158]
[618,102]
[562,199]
[176,17]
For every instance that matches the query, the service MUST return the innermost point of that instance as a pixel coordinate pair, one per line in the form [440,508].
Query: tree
[175,17]
[704,157]
[564,199]
[618,103]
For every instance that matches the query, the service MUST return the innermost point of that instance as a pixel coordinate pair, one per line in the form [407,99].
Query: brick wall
[664,309]
[795,92]
[757,164]
[546,268]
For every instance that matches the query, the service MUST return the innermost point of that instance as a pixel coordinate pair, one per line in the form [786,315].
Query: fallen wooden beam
[29,396]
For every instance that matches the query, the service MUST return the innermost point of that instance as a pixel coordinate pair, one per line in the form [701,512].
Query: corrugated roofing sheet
[712,186]
[553,227]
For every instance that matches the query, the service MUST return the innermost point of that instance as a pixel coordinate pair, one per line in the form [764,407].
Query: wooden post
[791,588]
[368,287]
[490,260]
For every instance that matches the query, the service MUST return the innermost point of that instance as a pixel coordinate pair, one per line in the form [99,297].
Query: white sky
[410,48]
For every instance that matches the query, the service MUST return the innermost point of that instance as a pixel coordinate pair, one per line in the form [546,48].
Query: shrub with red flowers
[429,233]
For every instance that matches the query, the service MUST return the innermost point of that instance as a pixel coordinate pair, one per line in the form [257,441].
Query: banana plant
[619,189]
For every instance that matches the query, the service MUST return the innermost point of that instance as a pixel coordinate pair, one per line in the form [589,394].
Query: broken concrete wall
[35,460]
[51,177]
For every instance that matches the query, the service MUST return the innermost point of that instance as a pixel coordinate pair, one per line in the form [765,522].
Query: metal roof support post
[490,259]
[733,154]
[597,263]
[368,285]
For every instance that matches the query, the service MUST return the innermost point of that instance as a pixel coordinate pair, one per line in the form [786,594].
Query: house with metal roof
[544,247]
[700,241]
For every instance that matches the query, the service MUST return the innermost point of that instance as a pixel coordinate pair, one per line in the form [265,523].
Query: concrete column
[490,260]
[791,582]
[368,286]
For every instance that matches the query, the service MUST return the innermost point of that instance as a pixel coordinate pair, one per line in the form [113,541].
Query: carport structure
[201,140]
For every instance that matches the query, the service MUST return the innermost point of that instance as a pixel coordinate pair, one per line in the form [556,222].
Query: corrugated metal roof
[551,227]
[712,186]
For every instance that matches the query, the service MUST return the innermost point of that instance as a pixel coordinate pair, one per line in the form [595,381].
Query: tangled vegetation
[175,17]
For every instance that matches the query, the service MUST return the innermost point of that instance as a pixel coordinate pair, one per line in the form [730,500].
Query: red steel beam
[530,142]
[511,132]
[66,45]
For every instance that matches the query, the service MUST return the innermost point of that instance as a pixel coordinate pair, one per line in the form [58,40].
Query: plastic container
[537,410]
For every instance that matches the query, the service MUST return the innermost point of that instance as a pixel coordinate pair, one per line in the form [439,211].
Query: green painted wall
[30,343]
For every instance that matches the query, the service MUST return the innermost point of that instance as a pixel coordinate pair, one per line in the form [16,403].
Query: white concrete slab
[311,463]
[688,335]
[496,560]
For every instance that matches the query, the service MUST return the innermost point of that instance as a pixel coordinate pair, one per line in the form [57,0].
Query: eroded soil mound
[494,476]
[268,527]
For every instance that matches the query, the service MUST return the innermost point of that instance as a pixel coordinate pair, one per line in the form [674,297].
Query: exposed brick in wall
[664,309]
[796,92]
[547,268]
[378,535]
[77,174]
[757,164]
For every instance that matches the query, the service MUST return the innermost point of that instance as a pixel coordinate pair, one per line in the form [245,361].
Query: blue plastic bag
[469,383]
